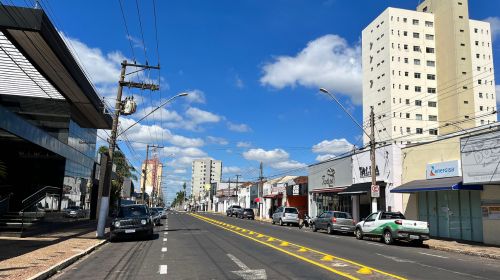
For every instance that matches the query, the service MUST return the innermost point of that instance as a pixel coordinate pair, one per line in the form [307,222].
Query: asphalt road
[209,246]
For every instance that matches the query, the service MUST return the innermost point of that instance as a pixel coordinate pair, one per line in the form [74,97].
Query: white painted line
[165,233]
[165,239]
[163,269]
[375,244]
[239,263]
[246,273]
[164,249]
[437,256]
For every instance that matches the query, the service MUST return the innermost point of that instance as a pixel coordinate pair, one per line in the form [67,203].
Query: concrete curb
[464,252]
[65,263]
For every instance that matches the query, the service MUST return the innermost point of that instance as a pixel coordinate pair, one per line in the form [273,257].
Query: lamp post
[371,136]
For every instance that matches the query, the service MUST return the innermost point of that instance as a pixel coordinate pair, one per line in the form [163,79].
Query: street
[211,246]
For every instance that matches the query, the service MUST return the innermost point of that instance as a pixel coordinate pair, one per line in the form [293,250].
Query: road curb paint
[309,255]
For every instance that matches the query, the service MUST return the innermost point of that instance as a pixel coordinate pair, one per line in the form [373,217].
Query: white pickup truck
[390,226]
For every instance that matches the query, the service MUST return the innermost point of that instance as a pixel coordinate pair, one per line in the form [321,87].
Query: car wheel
[314,229]
[281,222]
[272,222]
[329,229]
[359,234]
[112,237]
[388,237]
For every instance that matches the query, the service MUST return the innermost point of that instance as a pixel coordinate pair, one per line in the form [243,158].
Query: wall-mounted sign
[375,191]
[329,178]
[366,171]
[480,157]
[443,169]
[330,174]
[296,190]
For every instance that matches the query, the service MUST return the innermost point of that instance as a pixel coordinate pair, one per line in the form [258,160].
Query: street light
[371,136]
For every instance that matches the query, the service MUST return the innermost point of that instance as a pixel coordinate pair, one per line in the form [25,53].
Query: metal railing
[32,200]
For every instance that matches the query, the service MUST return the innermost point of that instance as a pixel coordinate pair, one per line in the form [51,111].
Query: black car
[246,213]
[232,210]
[132,220]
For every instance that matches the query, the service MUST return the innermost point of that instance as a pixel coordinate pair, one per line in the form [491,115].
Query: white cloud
[335,147]
[217,140]
[328,61]
[161,114]
[198,116]
[324,157]
[239,82]
[238,127]
[230,169]
[270,156]
[153,133]
[136,42]
[180,171]
[289,164]
[495,27]
[180,152]
[195,96]
[243,144]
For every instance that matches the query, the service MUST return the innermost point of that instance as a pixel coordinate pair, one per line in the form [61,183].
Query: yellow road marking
[363,270]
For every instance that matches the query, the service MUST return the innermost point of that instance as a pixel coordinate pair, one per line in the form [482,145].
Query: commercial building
[204,171]
[49,114]
[451,183]
[424,68]
[153,177]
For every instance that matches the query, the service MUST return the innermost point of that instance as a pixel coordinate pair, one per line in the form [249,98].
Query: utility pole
[374,195]
[119,106]
[237,187]
[261,191]
[145,175]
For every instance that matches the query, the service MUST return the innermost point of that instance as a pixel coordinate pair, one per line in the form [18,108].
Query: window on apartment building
[407,101]
[479,82]
[417,75]
[408,130]
[416,35]
[480,95]
[406,74]
[480,108]
[482,121]
[407,87]
[431,77]
[431,90]
[462,44]
[415,22]
[466,102]
[461,30]
[475,30]
[431,63]
[428,23]
[466,117]
[418,89]
[416,61]
[463,58]
[433,131]
[405,19]
[478,55]
[418,117]
[477,43]
[416,49]
[407,115]
[433,118]
[405,33]
[429,36]
[464,73]
[419,130]
[418,102]
[432,104]
[464,87]
[429,50]
[460,17]
[406,60]
[405,46]
[424,9]
[460,3]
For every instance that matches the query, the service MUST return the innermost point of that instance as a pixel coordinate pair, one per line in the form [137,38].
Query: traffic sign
[375,191]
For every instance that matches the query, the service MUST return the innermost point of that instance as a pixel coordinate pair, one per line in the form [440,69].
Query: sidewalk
[472,249]
[32,257]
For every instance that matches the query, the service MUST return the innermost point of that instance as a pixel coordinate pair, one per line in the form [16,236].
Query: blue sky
[250,68]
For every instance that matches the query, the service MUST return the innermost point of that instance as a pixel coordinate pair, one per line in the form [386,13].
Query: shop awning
[361,188]
[328,190]
[273,196]
[441,184]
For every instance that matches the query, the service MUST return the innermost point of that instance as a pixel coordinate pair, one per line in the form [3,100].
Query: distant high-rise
[425,69]
[205,171]
[153,177]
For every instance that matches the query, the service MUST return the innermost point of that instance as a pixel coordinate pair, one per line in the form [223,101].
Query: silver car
[334,221]
[286,215]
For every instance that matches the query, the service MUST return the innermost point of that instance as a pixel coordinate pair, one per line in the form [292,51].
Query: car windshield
[291,210]
[73,208]
[343,215]
[132,211]
[248,210]
[392,215]
[236,206]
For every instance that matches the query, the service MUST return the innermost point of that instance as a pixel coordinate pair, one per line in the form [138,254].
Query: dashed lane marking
[164,249]
[340,266]
[165,239]
[163,269]
[437,256]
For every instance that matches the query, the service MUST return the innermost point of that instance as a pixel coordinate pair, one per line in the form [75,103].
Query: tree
[123,170]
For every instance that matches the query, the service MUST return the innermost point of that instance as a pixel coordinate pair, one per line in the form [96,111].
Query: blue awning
[441,184]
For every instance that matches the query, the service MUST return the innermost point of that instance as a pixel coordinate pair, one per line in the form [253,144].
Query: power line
[126,30]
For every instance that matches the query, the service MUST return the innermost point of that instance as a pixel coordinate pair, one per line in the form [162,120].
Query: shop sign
[480,156]
[443,169]
[328,179]
[295,190]
[366,171]
[330,174]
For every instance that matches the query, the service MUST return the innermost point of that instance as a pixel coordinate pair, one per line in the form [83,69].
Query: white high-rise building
[427,72]
[204,171]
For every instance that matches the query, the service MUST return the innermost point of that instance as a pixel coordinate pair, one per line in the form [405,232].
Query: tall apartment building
[425,69]
[153,177]
[205,171]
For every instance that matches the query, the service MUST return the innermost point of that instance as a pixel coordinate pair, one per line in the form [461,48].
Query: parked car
[132,220]
[231,211]
[156,216]
[74,212]
[246,213]
[286,215]
[334,221]
[390,226]
[161,211]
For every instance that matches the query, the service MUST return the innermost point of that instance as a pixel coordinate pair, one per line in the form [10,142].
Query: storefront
[296,194]
[325,181]
[480,155]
